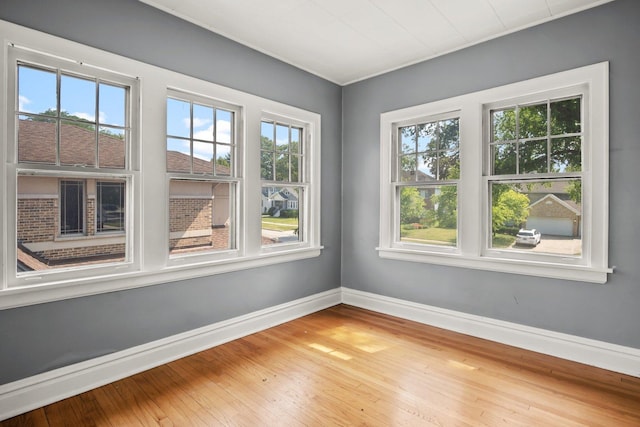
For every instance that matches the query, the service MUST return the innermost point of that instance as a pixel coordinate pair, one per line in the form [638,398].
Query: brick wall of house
[553,210]
[37,220]
[190,214]
[57,255]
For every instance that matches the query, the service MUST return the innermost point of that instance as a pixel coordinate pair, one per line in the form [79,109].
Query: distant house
[281,198]
[65,220]
[552,211]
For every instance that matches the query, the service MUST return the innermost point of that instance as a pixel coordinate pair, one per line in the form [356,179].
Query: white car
[528,237]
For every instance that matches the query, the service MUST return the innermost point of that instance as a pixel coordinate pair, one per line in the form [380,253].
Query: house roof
[37,144]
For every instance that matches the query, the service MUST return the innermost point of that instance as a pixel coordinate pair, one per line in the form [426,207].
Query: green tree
[411,206]
[73,120]
[508,207]
[513,125]
[575,190]
[286,159]
[446,202]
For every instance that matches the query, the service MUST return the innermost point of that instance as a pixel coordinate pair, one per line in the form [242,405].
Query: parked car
[528,237]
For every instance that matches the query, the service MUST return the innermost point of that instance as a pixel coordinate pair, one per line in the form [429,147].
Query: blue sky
[179,125]
[37,93]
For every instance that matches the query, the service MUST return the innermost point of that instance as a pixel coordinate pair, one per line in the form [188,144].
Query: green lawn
[279,224]
[502,240]
[433,235]
[447,236]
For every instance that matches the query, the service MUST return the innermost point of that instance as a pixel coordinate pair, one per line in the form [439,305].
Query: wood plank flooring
[346,366]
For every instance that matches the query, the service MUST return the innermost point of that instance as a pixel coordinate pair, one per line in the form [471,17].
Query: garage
[551,226]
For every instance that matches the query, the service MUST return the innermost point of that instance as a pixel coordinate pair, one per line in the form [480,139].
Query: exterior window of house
[72,135]
[535,176]
[282,170]
[511,179]
[111,206]
[71,207]
[201,162]
[426,190]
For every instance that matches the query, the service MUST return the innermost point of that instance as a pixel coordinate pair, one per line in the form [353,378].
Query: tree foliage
[508,207]
[411,206]
[521,135]
[285,157]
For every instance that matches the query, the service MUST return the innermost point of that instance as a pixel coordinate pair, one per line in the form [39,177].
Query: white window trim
[149,198]
[397,184]
[310,169]
[473,206]
[235,181]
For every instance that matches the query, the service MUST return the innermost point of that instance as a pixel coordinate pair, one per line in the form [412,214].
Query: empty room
[319,212]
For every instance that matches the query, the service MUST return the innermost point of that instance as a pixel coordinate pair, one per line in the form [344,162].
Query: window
[201,163]
[88,208]
[428,168]
[111,206]
[282,156]
[72,168]
[511,179]
[71,207]
[535,175]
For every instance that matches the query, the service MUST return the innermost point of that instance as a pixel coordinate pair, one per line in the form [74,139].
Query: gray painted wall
[608,312]
[42,337]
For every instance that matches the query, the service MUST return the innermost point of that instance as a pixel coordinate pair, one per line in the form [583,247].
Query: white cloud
[22,102]
[205,134]
[224,131]
[198,122]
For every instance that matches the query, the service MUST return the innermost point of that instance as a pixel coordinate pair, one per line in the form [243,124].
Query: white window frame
[308,192]
[234,180]
[16,54]
[148,190]
[398,184]
[592,82]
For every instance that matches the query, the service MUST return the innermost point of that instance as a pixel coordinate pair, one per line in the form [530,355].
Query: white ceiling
[349,40]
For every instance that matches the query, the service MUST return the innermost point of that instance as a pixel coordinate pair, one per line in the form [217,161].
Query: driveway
[555,245]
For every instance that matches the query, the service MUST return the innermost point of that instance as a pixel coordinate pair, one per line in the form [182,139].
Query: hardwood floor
[348,366]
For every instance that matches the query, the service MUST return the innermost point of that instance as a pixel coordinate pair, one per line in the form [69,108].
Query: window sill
[19,296]
[529,268]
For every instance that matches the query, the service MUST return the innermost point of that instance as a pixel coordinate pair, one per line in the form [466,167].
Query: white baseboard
[39,390]
[604,355]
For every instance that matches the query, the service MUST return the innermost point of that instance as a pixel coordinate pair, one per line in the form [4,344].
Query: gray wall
[46,336]
[608,312]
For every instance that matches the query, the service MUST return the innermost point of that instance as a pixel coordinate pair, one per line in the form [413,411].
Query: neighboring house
[65,220]
[552,211]
[281,198]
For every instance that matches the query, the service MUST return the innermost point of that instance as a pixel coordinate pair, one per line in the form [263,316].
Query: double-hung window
[534,176]
[427,169]
[70,167]
[285,184]
[203,174]
[511,179]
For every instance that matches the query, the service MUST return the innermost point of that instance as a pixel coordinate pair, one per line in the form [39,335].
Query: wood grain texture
[346,366]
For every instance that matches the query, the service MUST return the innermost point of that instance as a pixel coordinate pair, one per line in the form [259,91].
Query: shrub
[289,213]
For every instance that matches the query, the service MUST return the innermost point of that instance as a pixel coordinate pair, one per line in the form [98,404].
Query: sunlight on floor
[461,365]
[361,340]
[330,351]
